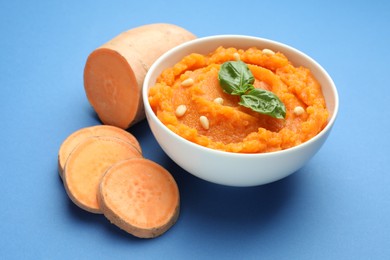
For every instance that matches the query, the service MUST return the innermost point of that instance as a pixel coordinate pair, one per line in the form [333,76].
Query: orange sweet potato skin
[115,93]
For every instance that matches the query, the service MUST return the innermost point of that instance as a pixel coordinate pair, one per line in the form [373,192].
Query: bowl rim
[151,115]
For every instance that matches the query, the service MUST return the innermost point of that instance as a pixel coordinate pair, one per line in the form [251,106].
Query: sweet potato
[86,165]
[140,197]
[114,72]
[99,130]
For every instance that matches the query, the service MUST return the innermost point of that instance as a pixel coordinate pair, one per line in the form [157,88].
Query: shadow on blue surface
[243,217]
[217,204]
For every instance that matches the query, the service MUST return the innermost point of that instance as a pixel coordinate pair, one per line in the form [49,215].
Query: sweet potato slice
[86,165]
[140,197]
[114,73]
[99,130]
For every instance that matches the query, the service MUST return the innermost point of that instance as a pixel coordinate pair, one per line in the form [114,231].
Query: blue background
[336,207]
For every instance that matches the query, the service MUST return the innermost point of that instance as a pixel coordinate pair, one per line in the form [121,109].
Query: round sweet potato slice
[80,135]
[140,197]
[86,165]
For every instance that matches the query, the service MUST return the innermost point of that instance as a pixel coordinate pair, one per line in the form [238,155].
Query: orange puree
[231,127]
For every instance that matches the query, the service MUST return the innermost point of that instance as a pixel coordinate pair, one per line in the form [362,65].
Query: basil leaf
[264,102]
[235,78]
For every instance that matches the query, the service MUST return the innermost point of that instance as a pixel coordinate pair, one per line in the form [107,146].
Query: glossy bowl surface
[235,169]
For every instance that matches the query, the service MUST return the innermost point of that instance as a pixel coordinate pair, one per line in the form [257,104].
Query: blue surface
[336,207]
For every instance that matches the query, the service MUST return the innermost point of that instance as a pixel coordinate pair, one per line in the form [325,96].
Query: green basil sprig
[236,78]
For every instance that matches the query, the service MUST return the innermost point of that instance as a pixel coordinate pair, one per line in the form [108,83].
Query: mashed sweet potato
[190,90]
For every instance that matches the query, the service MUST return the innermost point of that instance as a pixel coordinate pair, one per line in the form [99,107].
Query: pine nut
[268,52]
[204,121]
[236,56]
[188,82]
[181,110]
[218,100]
[298,110]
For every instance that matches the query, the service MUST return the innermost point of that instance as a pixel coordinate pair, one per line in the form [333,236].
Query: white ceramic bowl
[235,169]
